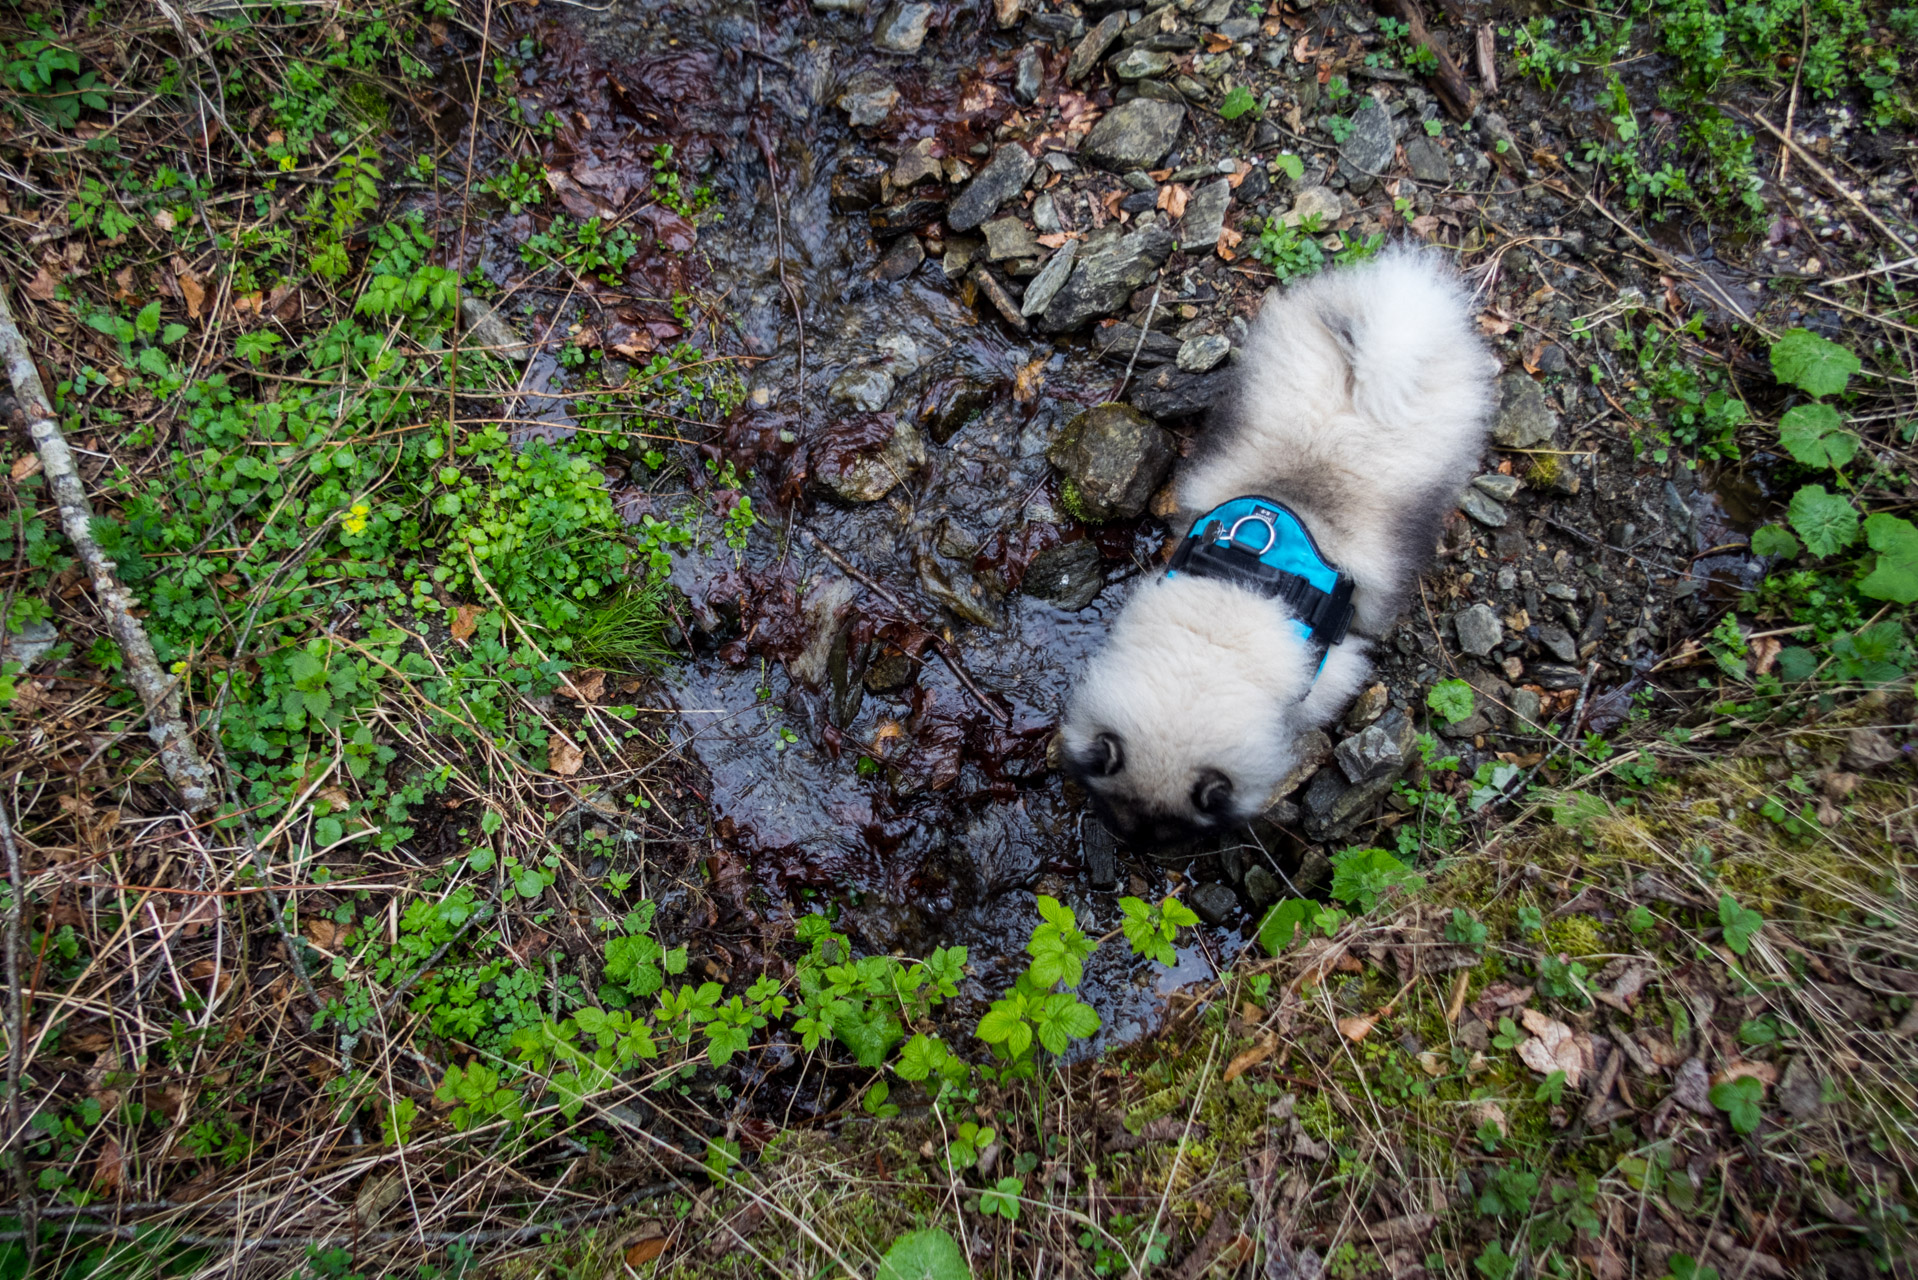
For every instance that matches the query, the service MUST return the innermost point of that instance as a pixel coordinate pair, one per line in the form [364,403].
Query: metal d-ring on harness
[1286,565]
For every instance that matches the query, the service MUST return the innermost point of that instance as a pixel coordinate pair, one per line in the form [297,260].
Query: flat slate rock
[1094,46]
[1169,392]
[1427,160]
[1525,419]
[1374,138]
[1002,178]
[1111,266]
[1069,575]
[1134,135]
[1205,215]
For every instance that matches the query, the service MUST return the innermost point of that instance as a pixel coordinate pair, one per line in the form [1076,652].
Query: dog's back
[1363,401]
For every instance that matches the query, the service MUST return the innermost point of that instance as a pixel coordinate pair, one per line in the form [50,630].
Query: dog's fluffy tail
[1403,322]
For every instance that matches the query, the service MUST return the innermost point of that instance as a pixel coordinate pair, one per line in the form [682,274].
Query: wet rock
[961,253]
[1482,509]
[857,186]
[995,293]
[828,612]
[1051,278]
[1140,64]
[1122,344]
[902,259]
[1205,215]
[1369,706]
[1559,643]
[1479,630]
[1069,575]
[1502,488]
[1002,178]
[915,165]
[1427,160]
[1314,202]
[1102,854]
[1168,392]
[1029,74]
[903,28]
[840,6]
[485,327]
[1262,886]
[889,673]
[1203,353]
[1111,266]
[1557,677]
[870,476]
[1526,419]
[1094,46]
[907,215]
[868,389]
[956,590]
[1134,135]
[1008,238]
[950,403]
[1374,137]
[867,99]
[1112,457]
[1215,903]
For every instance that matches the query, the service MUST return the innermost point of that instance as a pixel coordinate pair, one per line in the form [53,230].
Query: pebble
[1483,509]
[1094,46]
[1479,630]
[1368,707]
[1504,488]
[1526,419]
[1069,575]
[987,284]
[872,476]
[1003,177]
[1115,458]
[1427,160]
[1029,75]
[902,259]
[1050,278]
[1139,180]
[868,390]
[1320,202]
[1527,706]
[915,165]
[1205,215]
[1010,238]
[1368,149]
[1214,902]
[1371,753]
[1203,353]
[1111,266]
[1140,64]
[1134,135]
[1559,642]
[867,100]
[1237,29]
[903,28]
[1045,215]
[1562,591]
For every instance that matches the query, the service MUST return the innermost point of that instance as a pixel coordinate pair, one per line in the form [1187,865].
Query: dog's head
[1188,718]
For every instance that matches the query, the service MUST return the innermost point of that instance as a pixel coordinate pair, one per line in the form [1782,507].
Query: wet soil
[845,760]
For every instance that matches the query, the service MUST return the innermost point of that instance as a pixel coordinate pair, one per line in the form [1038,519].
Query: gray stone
[1010,238]
[1114,458]
[1237,29]
[1800,1090]
[1526,419]
[485,326]
[1370,753]
[1262,886]
[867,389]
[1028,74]
[1332,808]
[1051,278]
[889,673]
[1503,488]
[1691,1085]
[840,6]
[28,645]
[1002,178]
[871,476]
[1102,854]
[867,99]
[1111,266]
[903,27]
[902,259]
[1554,360]
[961,253]
[1069,575]
[1170,392]
[915,165]
[1203,353]
[1212,12]
[1215,903]
[1479,630]
[1205,215]
[1134,135]
[1140,64]
[1045,215]
[1319,202]
[1374,137]
[1369,706]
[1139,180]
[1427,160]
[1868,749]
[1314,748]
[1528,709]
[1482,509]
[1191,88]
[995,293]
[1559,643]
[1094,46]
[828,613]
[1562,591]
[956,590]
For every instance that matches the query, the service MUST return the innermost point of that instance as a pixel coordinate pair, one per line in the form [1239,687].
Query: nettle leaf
[1815,365]
[1895,577]
[1826,521]
[1815,435]
[1774,540]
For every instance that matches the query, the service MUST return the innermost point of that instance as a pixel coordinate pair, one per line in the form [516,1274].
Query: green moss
[1074,502]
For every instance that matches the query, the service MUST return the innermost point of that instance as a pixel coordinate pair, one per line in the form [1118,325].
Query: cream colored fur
[1362,404]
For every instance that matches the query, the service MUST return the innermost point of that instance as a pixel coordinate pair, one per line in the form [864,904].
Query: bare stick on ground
[159,692]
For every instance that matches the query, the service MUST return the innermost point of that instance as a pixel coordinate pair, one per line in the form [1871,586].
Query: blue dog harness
[1264,547]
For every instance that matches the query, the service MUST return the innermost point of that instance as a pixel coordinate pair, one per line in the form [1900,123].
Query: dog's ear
[1212,794]
[1104,756]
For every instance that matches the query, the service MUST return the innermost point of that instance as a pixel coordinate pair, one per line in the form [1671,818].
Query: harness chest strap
[1262,546]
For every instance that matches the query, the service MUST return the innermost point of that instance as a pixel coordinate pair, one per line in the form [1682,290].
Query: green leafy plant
[1150,930]
[1361,877]
[1239,102]
[1741,1101]
[931,1254]
[1452,700]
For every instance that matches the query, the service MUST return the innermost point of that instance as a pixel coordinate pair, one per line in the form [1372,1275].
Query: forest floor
[597,479]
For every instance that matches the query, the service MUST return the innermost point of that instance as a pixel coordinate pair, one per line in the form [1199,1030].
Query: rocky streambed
[992,266]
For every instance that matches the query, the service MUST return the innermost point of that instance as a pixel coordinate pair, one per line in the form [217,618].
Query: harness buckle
[1259,516]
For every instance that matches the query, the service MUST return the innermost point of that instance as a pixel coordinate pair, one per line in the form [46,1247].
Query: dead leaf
[1358,1027]
[164,220]
[41,287]
[1763,1072]
[1429,1063]
[636,344]
[588,687]
[1173,197]
[109,1167]
[564,757]
[1764,653]
[319,931]
[123,285]
[465,620]
[334,797]
[27,464]
[190,288]
[1460,986]
[1216,43]
[1028,381]
[1492,323]
[1252,1057]
[1493,1114]
[1553,1047]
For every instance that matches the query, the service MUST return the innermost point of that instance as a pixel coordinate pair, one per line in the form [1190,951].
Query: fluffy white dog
[1361,409]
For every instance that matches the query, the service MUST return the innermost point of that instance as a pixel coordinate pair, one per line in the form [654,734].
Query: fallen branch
[159,692]
[1446,78]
